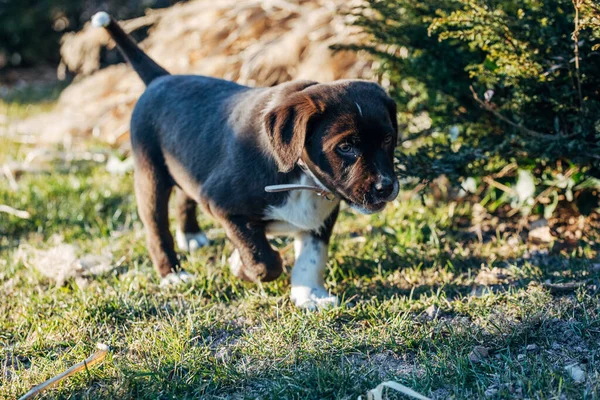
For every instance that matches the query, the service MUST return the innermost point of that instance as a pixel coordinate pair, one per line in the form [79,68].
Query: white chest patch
[304,210]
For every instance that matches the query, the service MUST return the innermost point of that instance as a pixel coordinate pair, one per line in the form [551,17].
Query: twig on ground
[287,248]
[414,192]
[377,393]
[563,288]
[490,181]
[13,211]
[506,170]
[575,36]
[8,173]
[95,358]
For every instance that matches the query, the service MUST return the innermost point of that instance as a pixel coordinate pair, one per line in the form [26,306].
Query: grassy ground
[421,292]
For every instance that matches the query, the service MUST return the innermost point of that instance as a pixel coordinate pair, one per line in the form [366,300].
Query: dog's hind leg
[188,236]
[253,259]
[152,190]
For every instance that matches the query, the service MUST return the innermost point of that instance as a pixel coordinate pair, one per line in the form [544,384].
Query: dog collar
[320,190]
[287,187]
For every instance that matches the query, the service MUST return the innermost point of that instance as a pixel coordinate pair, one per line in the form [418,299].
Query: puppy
[220,144]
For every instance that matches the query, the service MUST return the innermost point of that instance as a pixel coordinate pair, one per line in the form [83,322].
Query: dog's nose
[384,188]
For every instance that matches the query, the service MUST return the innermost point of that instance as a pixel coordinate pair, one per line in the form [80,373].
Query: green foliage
[486,84]
[26,28]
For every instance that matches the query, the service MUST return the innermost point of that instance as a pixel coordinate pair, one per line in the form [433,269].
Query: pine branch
[520,127]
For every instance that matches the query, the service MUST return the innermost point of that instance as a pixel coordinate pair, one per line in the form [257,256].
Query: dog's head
[345,132]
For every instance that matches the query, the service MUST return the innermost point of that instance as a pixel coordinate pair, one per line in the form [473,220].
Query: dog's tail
[146,67]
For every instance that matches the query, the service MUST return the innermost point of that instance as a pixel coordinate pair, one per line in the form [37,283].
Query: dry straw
[95,358]
[253,42]
[377,393]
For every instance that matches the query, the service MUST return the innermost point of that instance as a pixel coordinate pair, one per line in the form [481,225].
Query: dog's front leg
[254,259]
[308,286]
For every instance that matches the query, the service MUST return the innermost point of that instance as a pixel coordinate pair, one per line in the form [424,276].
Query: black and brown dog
[220,144]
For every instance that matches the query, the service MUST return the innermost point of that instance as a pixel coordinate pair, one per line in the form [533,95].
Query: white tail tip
[100,20]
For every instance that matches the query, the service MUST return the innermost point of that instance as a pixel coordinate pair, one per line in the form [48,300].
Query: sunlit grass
[418,291]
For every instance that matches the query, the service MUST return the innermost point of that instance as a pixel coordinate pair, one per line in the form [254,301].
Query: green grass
[220,338]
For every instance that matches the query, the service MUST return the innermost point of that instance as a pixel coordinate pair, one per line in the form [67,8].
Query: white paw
[176,278]
[235,262]
[311,299]
[190,241]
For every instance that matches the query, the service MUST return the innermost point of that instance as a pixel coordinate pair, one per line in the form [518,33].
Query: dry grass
[254,42]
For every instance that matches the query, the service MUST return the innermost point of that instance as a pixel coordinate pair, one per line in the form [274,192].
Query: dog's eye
[388,139]
[345,147]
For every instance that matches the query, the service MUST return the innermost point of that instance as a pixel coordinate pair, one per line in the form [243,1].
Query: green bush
[495,89]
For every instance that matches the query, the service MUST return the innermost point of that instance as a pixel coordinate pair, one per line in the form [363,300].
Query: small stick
[499,185]
[88,362]
[287,248]
[562,288]
[377,393]
[11,177]
[523,129]
[13,211]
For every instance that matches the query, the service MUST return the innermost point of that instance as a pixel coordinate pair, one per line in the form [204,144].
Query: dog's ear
[286,126]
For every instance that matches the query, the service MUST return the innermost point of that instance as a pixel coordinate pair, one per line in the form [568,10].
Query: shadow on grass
[419,272]
[426,355]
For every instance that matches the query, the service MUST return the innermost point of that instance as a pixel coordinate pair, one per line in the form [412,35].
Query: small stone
[532,347]
[518,391]
[521,357]
[540,234]
[576,372]
[492,276]
[491,392]
[513,241]
[556,346]
[478,354]
[540,223]
[432,311]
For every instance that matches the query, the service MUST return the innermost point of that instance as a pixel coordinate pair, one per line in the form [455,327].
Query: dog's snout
[384,187]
